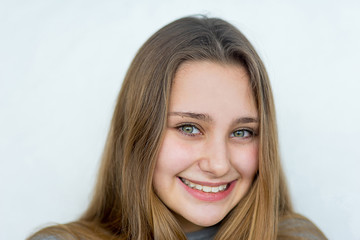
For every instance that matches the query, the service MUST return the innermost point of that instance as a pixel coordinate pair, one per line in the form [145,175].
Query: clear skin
[211,136]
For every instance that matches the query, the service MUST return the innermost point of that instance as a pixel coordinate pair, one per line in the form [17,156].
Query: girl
[192,151]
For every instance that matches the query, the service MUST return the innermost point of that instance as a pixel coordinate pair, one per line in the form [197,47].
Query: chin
[206,220]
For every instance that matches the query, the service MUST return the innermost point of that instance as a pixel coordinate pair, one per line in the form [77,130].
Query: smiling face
[209,154]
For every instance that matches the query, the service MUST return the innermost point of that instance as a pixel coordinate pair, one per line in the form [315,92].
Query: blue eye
[242,133]
[189,130]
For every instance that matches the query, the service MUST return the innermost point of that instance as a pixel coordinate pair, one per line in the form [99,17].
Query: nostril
[214,159]
[215,167]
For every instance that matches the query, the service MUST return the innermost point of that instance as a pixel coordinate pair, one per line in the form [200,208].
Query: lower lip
[209,197]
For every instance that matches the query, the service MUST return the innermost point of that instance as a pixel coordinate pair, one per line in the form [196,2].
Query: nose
[215,159]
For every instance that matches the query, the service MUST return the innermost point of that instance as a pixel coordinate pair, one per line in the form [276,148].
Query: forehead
[212,87]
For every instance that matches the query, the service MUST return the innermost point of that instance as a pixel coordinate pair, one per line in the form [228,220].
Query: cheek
[245,160]
[175,155]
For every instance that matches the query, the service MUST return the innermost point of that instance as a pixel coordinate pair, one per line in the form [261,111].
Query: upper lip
[210,184]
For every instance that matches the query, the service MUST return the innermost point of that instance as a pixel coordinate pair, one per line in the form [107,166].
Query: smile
[206,189]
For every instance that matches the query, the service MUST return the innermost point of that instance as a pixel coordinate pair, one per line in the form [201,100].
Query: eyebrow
[247,120]
[207,118]
[199,116]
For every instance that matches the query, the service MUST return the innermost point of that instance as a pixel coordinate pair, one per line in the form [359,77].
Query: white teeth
[206,189]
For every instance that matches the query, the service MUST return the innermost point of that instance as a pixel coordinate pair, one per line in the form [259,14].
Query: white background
[61,67]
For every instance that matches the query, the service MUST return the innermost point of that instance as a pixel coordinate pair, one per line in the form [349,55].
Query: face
[209,154]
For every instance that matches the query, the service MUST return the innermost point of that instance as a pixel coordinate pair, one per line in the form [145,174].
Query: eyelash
[181,130]
[246,131]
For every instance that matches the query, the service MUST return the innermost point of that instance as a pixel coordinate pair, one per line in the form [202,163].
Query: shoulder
[298,227]
[55,232]
[43,237]
[72,231]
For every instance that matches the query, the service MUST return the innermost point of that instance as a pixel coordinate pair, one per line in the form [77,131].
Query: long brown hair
[124,205]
